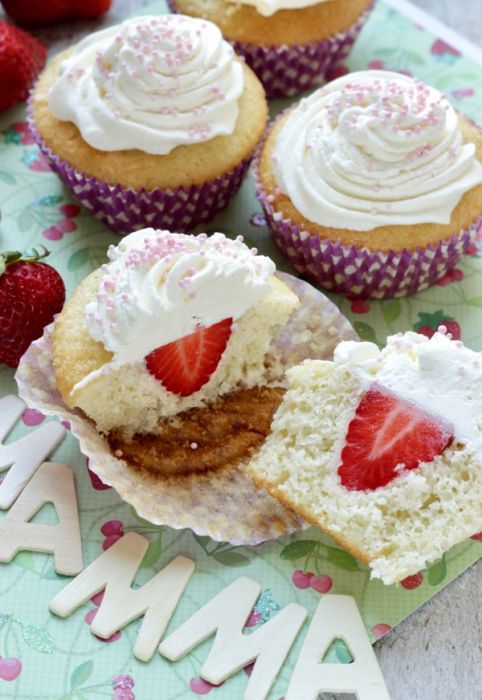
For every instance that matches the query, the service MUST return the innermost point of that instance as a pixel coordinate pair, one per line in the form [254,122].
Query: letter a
[53,483]
[115,570]
[25,455]
[337,617]
[226,615]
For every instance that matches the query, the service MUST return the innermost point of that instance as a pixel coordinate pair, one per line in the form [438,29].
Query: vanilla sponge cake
[116,342]
[382,449]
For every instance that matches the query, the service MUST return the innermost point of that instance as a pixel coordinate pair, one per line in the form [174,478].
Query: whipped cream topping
[269,7]
[150,83]
[161,286]
[441,375]
[374,148]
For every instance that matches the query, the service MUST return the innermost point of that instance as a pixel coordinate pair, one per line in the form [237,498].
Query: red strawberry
[31,293]
[35,12]
[89,9]
[185,365]
[21,59]
[387,432]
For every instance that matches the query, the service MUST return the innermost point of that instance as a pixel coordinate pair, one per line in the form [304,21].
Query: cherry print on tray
[453,275]
[112,530]
[360,306]
[14,634]
[122,685]
[380,629]
[95,480]
[32,417]
[315,555]
[10,669]
[411,582]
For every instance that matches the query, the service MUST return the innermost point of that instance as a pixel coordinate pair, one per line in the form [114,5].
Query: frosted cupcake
[291,45]
[151,122]
[169,362]
[383,449]
[170,343]
[372,186]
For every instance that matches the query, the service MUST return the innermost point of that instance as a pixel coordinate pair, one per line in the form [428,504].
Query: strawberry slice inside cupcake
[387,436]
[185,365]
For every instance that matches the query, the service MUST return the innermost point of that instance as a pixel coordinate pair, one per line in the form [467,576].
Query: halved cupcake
[382,449]
[167,349]
[169,363]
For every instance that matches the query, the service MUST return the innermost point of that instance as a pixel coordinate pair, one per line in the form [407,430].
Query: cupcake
[291,45]
[372,186]
[170,343]
[169,362]
[150,123]
[382,449]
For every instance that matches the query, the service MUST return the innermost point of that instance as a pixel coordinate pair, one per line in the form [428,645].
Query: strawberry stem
[30,255]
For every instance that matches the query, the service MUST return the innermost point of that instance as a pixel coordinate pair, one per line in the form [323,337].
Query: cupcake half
[168,363]
[150,123]
[382,449]
[372,186]
[291,45]
[175,332]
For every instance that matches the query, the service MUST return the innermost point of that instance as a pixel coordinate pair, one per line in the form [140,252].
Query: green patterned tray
[56,659]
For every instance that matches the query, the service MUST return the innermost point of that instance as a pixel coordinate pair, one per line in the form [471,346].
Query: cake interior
[219,435]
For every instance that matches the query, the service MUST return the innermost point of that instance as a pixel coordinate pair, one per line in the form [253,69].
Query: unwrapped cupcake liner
[224,504]
[360,273]
[125,210]
[287,70]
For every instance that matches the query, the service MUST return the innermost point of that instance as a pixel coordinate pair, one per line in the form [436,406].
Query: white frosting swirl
[161,286]
[440,375]
[150,83]
[269,7]
[374,148]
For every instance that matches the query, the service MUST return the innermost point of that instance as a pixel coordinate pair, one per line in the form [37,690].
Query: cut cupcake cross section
[382,449]
[387,436]
[168,327]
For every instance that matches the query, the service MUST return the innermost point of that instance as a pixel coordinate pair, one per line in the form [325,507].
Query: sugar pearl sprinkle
[161,286]
[145,72]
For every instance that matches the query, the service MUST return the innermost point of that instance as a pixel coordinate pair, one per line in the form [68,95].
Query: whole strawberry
[35,12]
[31,293]
[21,59]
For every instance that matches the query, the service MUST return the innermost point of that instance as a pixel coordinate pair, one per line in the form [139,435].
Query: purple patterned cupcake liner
[125,210]
[287,70]
[359,272]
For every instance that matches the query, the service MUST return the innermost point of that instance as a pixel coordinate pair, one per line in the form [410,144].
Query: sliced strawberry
[387,436]
[185,365]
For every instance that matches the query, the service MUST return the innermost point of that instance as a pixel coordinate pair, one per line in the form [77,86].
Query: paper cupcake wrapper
[224,505]
[359,272]
[125,210]
[287,70]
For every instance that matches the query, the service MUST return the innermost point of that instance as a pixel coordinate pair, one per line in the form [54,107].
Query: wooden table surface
[435,654]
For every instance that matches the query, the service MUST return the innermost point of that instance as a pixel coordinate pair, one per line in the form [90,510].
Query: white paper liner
[224,504]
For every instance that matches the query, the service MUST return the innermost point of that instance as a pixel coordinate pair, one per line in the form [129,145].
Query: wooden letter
[337,617]
[53,483]
[226,615]
[25,455]
[115,571]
